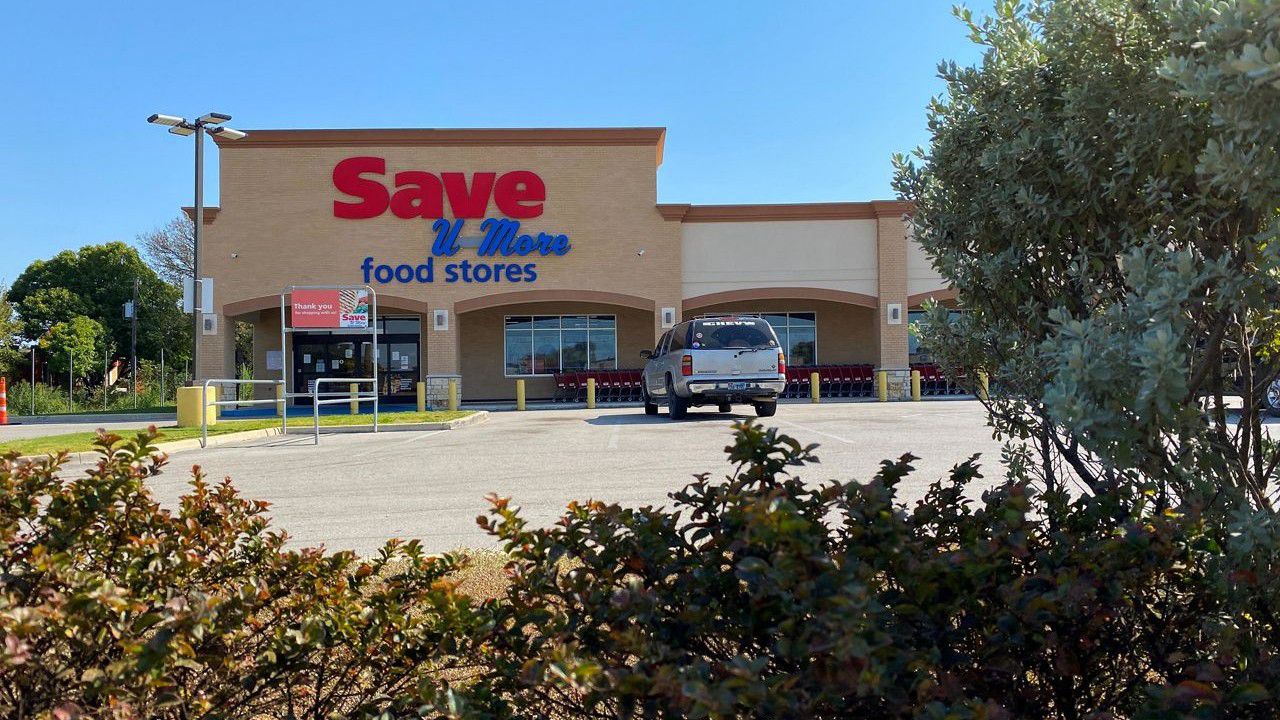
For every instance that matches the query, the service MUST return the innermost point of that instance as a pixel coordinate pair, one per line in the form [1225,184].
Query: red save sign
[330,308]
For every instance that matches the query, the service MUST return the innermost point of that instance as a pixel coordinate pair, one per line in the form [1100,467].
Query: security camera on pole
[181,126]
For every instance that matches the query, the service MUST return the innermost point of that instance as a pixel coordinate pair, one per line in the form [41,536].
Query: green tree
[1101,191]
[47,307]
[10,334]
[96,281]
[81,338]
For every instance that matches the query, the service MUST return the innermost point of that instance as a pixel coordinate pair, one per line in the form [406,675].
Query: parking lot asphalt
[354,491]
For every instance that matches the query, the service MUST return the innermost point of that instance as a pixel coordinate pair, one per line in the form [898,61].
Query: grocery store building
[521,253]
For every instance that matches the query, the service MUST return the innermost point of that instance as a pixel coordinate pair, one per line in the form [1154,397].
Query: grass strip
[82,441]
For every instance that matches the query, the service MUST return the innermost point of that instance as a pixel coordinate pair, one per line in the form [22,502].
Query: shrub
[49,399]
[113,607]
[765,596]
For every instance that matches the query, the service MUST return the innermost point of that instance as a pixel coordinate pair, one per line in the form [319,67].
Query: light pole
[181,126]
[133,344]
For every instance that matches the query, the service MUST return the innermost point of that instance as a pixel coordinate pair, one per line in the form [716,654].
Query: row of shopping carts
[853,381]
[934,382]
[611,386]
[834,381]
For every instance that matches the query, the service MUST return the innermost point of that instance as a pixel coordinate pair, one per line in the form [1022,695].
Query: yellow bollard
[591,393]
[279,400]
[189,406]
[422,396]
[915,385]
[882,385]
[520,394]
[982,385]
[815,390]
[453,394]
[355,404]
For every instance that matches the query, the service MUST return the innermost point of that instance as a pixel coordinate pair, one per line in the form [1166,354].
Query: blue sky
[763,101]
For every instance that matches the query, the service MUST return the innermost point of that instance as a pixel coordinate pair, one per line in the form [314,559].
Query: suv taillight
[782,364]
[686,365]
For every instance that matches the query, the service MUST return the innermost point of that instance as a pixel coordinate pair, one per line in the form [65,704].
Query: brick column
[441,357]
[891,244]
[217,352]
[658,330]
[440,347]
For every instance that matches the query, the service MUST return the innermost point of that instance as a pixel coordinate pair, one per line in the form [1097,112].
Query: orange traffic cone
[4,404]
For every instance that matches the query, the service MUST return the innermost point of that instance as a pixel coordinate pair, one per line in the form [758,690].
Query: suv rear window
[731,334]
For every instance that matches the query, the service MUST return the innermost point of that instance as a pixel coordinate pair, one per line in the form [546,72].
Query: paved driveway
[355,490]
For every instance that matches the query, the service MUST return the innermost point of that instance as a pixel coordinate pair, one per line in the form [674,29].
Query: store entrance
[334,354]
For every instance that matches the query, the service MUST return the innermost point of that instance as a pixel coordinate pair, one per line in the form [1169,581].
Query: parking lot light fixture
[227,133]
[158,119]
[212,121]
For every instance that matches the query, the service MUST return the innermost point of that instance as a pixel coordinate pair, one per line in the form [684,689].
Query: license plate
[737,386]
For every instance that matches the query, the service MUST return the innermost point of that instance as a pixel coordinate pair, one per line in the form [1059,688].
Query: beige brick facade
[276,227]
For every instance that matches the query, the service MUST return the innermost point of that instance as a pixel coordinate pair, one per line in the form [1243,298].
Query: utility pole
[71,380]
[162,398]
[33,381]
[133,373]
[106,389]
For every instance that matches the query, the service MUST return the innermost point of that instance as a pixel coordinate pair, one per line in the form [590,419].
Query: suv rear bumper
[740,390]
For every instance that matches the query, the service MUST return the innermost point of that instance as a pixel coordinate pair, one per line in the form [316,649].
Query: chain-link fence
[90,392]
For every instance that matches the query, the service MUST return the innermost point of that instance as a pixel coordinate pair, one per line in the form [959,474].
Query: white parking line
[816,432]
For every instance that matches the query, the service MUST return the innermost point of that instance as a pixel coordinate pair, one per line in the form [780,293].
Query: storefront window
[604,350]
[519,353]
[798,333]
[574,339]
[914,318]
[396,325]
[547,344]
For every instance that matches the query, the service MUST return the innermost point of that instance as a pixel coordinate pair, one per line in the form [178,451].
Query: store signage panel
[420,195]
[329,309]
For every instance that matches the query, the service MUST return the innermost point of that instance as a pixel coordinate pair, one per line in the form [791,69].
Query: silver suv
[715,361]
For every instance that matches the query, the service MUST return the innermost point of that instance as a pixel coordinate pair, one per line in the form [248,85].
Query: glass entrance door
[335,355]
[310,361]
[398,366]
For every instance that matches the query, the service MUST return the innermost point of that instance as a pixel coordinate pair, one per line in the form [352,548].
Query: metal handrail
[358,397]
[204,404]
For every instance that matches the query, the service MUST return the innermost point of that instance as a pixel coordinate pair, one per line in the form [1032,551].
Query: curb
[477,416]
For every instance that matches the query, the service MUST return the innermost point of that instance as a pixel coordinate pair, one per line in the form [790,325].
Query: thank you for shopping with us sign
[330,308]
